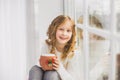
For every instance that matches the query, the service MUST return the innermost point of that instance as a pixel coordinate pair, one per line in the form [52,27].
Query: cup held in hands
[47,60]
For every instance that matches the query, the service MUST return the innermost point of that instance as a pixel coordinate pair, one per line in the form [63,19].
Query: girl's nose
[64,32]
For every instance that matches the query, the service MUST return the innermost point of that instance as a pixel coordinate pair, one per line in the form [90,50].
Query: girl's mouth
[63,38]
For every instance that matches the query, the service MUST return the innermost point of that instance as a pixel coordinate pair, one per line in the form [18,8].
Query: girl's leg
[51,75]
[35,73]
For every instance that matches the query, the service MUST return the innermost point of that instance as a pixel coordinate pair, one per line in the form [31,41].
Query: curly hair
[51,33]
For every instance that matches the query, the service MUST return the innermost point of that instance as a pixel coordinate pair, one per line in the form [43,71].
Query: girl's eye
[68,30]
[61,29]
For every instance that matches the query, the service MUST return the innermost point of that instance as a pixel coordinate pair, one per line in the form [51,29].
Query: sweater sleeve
[72,72]
[43,50]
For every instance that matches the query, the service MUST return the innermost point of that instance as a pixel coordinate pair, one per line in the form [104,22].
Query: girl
[61,42]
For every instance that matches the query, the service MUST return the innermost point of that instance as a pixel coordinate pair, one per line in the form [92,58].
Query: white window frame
[70,10]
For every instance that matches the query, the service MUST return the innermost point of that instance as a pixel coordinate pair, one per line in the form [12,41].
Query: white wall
[12,39]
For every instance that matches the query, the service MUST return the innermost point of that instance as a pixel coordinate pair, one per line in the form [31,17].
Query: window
[98,29]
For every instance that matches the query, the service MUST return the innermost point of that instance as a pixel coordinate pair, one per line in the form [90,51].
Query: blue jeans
[37,73]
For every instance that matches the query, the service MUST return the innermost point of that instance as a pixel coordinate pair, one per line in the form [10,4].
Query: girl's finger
[55,68]
[55,65]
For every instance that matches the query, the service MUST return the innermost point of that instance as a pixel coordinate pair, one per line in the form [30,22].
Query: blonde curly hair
[51,33]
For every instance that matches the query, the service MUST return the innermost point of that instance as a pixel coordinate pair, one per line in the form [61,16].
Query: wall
[12,39]
[20,33]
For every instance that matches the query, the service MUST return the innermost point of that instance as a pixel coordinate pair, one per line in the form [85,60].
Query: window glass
[117,8]
[117,47]
[79,9]
[99,56]
[118,22]
[80,49]
[118,66]
[98,11]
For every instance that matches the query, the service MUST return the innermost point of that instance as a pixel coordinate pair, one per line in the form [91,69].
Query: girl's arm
[43,49]
[73,70]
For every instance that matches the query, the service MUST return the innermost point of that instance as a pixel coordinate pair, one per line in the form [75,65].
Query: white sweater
[71,72]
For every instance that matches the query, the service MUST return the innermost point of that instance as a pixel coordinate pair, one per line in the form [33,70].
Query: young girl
[61,42]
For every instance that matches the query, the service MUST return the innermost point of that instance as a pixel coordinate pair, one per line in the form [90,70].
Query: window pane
[99,56]
[117,7]
[117,60]
[118,22]
[79,10]
[99,13]
[81,55]
[118,66]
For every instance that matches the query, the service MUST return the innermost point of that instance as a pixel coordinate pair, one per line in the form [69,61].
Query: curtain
[13,40]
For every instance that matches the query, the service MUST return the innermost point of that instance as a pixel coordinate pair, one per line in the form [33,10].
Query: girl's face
[64,33]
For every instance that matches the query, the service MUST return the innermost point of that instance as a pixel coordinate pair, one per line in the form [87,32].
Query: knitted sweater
[69,68]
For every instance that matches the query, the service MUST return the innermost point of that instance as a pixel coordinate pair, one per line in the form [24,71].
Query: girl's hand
[56,64]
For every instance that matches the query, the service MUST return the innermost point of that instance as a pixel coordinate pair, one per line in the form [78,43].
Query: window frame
[70,10]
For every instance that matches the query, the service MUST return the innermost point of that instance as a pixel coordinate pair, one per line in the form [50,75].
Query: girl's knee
[51,75]
[35,73]
[35,68]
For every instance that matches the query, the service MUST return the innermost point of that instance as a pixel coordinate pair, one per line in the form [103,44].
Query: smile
[63,38]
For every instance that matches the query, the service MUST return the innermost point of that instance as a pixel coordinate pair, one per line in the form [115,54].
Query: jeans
[37,73]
